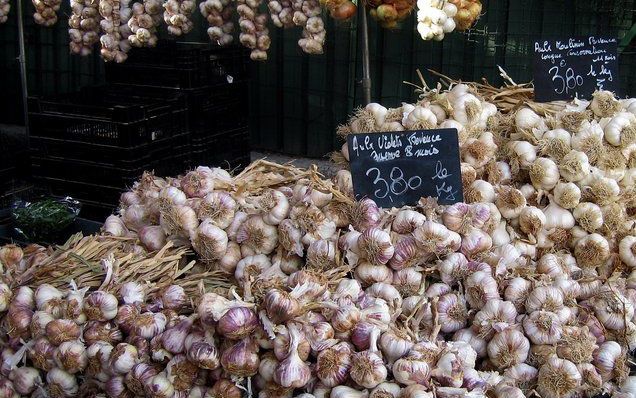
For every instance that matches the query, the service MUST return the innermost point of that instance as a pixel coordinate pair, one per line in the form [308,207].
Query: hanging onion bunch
[84,26]
[254,33]
[177,15]
[435,19]
[341,10]
[390,13]
[468,11]
[46,12]
[219,16]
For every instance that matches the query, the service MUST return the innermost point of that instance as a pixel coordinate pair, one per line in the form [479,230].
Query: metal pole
[23,71]
[366,72]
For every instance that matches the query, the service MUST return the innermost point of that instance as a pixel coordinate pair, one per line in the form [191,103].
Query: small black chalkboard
[574,67]
[399,168]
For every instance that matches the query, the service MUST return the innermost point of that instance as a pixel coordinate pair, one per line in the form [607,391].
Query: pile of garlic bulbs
[178,16]
[84,26]
[435,18]
[218,13]
[46,12]
[111,39]
[520,289]
[143,23]
[5,7]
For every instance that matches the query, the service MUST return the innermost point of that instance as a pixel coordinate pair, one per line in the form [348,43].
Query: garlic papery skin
[510,202]
[241,359]
[60,330]
[292,372]
[542,327]
[574,166]
[452,311]
[48,298]
[61,383]
[395,345]
[592,250]
[101,306]
[544,174]
[123,358]
[237,323]
[25,379]
[173,297]
[476,342]
[558,378]
[613,310]
[219,207]
[588,216]
[367,368]
[495,316]
[411,370]
[149,325]
[627,250]
[275,206]
[262,238]
[522,154]
[528,122]
[406,221]
[531,220]
[333,364]
[71,357]
[557,217]
[347,392]
[621,129]
[567,195]
[386,390]
[132,293]
[209,241]
[476,241]
[159,386]
[480,288]
[375,245]
[480,191]
[508,348]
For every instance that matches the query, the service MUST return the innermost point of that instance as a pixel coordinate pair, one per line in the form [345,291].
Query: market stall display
[296,289]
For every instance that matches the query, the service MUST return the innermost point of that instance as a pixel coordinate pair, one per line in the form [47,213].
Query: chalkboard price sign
[575,67]
[399,168]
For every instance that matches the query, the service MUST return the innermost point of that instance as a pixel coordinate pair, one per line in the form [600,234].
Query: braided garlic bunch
[45,12]
[84,26]
[219,15]
[177,15]
[254,32]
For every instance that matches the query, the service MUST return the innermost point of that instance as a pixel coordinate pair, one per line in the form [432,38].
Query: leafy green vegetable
[42,220]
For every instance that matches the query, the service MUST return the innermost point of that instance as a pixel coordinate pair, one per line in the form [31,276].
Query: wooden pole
[364,43]
[23,70]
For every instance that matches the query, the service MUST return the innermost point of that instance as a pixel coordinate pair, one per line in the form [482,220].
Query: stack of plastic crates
[214,81]
[94,144]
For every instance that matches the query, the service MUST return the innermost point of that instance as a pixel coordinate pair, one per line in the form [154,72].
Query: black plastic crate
[217,108]
[107,174]
[108,155]
[216,148]
[120,117]
[182,65]
[82,191]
